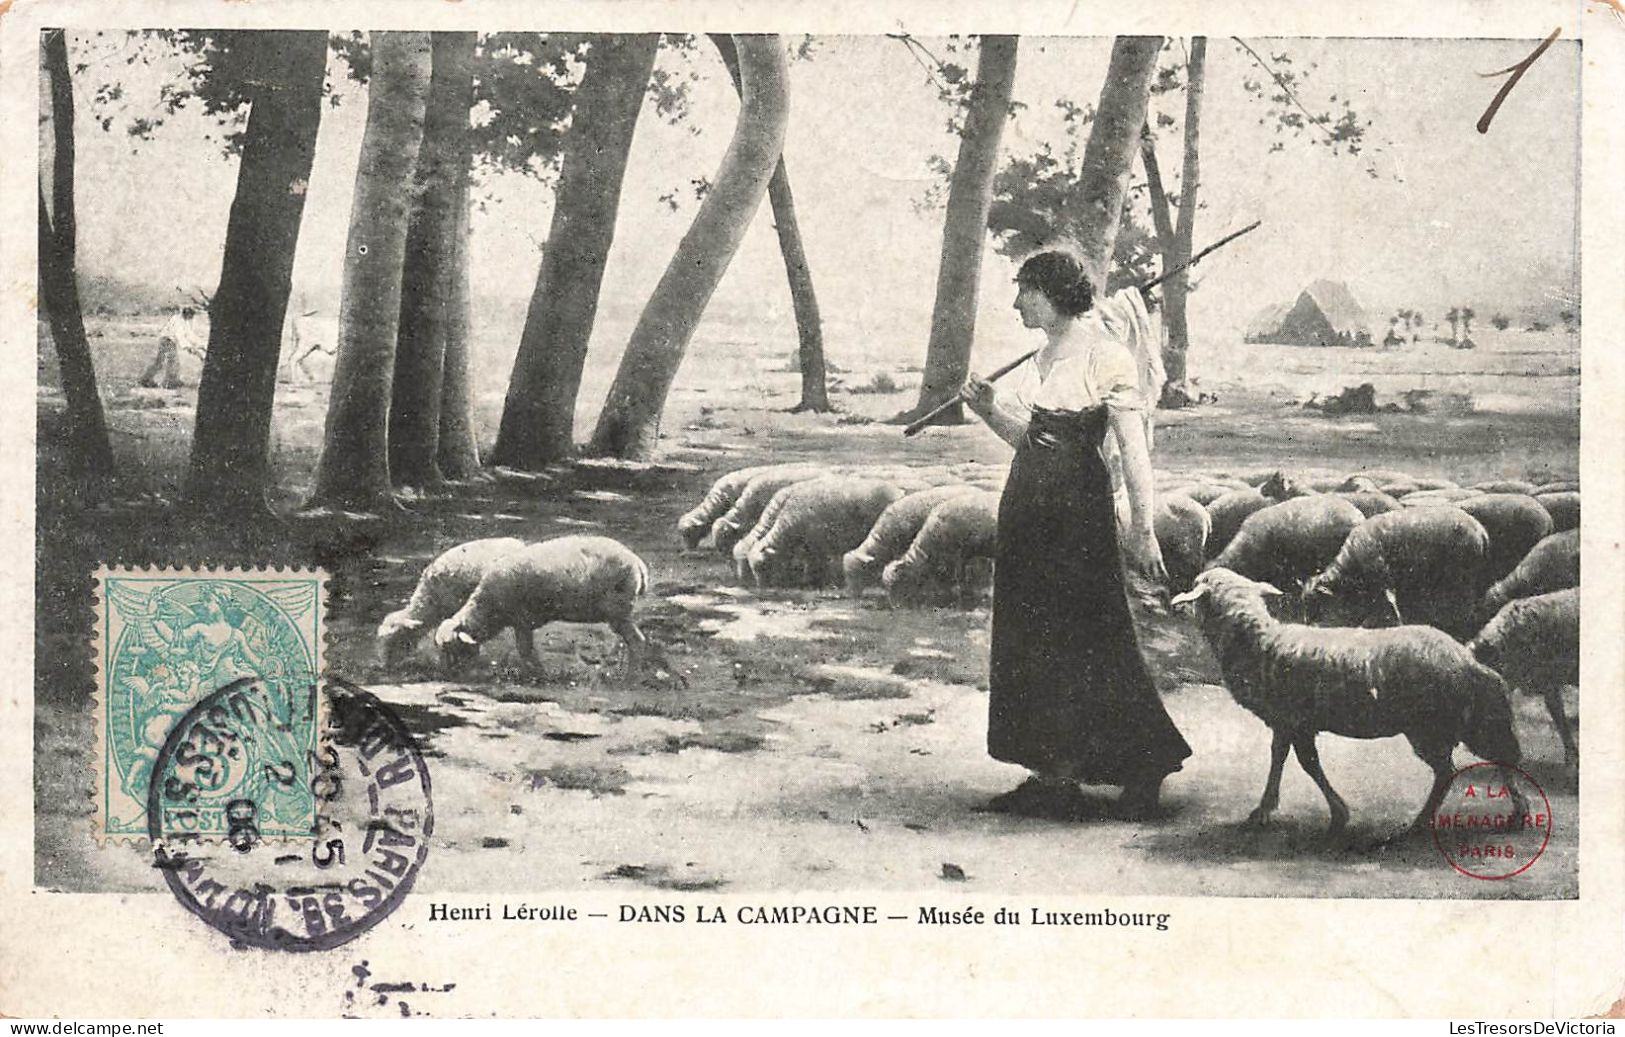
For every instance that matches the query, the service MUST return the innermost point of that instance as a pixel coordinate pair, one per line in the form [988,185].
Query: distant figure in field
[179,332]
[306,345]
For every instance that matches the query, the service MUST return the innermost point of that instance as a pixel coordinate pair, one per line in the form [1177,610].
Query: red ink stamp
[1493,823]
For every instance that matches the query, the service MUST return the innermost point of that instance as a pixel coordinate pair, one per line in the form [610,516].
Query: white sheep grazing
[442,588]
[1414,565]
[573,579]
[1515,523]
[696,522]
[747,543]
[738,520]
[956,531]
[1534,644]
[1300,680]
[817,523]
[1182,526]
[1285,544]
[892,532]
[1551,565]
[1563,506]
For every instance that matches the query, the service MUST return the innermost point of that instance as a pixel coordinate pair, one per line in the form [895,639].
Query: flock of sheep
[1369,604]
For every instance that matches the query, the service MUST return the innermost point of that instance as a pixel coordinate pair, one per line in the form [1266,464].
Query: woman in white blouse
[1070,697]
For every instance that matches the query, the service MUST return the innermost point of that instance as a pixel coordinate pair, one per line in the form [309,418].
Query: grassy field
[822,742]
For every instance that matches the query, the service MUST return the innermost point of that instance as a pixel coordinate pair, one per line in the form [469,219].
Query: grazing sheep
[1515,523]
[1228,513]
[573,579]
[1505,486]
[1182,526]
[1534,644]
[441,590]
[1323,483]
[1399,488]
[1551,565]
[818,522]
[1359,484]
[747,543]
[1280,486]
[1430,482]
[1413,681]
[892,533]
[1564,508]
[738,520]
[1370,502]
[1204,493]
[1421,498]
[957,530]
[1560,486]
[1287,543]
[1379,476]
[696,522]
[1418,565]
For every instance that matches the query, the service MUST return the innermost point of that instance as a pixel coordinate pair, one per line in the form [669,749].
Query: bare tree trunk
[803,297]
[1109,154]
[431,249]
[459,454]
[629,425]
[1174,392]
[538,417]
[354,469]
[89,453]
[231,439]
[1176,290]
[964,232]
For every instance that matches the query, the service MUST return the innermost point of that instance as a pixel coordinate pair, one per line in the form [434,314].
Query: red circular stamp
[1493,822]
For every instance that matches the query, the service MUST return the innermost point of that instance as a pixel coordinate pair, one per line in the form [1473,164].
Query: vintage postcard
[540,509]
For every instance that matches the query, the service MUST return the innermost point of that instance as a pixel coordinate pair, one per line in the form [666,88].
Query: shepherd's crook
[935,412]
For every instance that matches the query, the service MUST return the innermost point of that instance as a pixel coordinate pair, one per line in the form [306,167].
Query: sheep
[1370,502]
[1418,565]
[443,586]
[1420,498]
[1505,486]
[1300,681]
[764,522]
[738,520]
[1379,476]
[892,533]
[1551,565]
[1563,506]
[696,522]
[1515,523]
[957,530]
[1558,486]
[1203,493]
[1399,488]
[1287,543]
[1228,513]
[1182,526]
[818,522]
[1431,482]
[1280,486]
[1358,484]
[574,579]
[1534,644]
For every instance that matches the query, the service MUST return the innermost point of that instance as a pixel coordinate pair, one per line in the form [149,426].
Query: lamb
[1370,502]
[1228,513]
[573,579]
[441,590]
[1287,543]
[1182,526]
[1534,644]
[1300,680]
[1515,523]
[892,534]
[738,520]
[696,522]
[1563,506]
[959,529]
[818,522]
[1419,565]
[1551,565]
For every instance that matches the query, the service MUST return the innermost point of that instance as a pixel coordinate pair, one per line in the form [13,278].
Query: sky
[1452,217]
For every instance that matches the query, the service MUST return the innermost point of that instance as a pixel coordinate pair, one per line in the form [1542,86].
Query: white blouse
[1086,367]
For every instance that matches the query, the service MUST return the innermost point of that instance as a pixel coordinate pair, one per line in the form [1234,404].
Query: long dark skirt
[1070,695]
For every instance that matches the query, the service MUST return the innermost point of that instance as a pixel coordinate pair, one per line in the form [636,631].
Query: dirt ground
[822,742]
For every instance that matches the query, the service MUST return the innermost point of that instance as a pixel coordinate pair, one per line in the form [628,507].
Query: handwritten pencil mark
[1513,74]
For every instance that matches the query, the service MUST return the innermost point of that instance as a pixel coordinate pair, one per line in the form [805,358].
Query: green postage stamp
[165,639]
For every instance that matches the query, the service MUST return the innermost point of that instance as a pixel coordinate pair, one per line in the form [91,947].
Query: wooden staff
[937,411]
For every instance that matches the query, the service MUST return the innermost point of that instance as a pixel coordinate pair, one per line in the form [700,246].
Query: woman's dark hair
[1061,277]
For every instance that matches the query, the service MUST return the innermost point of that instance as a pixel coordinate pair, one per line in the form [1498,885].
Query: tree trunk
[1174,391]
[629,425]
[89,453]
[1109,153]
[964,232]
[538,417]
[229,469]
[431,249]
[354,469]
[1176,290]
[459,454]
[803,298]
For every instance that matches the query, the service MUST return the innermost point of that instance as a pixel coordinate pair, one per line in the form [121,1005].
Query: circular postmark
[222,777]
[1493,823]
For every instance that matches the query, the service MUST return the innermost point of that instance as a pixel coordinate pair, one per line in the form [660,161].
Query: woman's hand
[978,395]
[1146,554]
